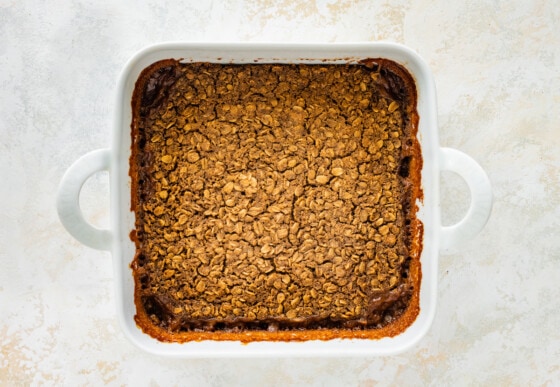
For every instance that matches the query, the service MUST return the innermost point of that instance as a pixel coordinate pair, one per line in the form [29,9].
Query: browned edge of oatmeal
[398,85]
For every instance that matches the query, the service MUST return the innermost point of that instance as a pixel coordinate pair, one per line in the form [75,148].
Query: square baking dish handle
[68,199]
[479,210]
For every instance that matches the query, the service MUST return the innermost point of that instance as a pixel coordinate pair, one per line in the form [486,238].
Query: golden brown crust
[172,316]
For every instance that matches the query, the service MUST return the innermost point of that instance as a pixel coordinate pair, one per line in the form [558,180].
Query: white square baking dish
[116,160]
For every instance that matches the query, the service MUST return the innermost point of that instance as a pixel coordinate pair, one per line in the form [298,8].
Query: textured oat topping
[271,197]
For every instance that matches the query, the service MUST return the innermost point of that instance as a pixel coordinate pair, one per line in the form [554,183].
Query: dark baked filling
[272,196]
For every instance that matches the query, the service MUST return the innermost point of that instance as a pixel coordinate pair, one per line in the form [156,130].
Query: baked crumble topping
[273,197]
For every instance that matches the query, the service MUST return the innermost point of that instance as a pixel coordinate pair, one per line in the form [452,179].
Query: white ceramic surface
[116,160]
[495,64]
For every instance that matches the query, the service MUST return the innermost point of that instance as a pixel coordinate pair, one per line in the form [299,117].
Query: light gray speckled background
[497,69]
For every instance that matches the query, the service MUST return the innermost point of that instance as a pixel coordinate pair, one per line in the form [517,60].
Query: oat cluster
[271,193]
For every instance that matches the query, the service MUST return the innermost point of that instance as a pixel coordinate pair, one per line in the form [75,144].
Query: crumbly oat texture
[272,197]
